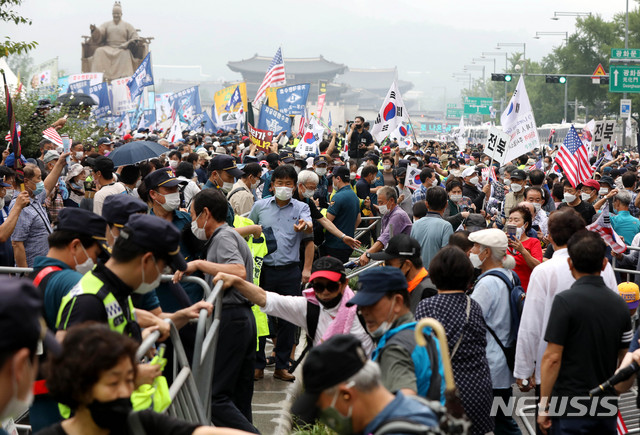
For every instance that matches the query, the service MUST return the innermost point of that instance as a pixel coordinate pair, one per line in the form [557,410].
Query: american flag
[8,136]
[275,76]
[536,165]
[53,135]
[620,426]
[489,173]
[574,158]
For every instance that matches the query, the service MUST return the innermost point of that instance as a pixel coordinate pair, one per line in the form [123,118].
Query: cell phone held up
[511,231]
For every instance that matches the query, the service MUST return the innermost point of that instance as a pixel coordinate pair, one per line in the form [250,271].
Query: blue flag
[81,87]
[100,94]
[141,78]
[202,123]
[292,100]
[148,118]
[329,123]
[233,101]
[186,104]
[272,120]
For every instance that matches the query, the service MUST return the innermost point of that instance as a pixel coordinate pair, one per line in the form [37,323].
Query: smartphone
[66,146]
[511,231]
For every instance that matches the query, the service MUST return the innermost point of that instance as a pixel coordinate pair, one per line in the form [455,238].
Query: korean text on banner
[519,123]
[261,138]
[229,118]
[273,120]
[603,133]
[292,100]
[121,96]
[497,145]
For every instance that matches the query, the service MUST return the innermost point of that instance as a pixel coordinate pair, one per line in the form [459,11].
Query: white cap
[493,238]
[469,171]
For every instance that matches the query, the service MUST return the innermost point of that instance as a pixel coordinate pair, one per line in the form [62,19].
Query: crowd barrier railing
[360,232]
[616,269]
[359,270]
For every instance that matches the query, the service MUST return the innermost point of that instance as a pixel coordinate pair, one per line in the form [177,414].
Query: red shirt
[524,272]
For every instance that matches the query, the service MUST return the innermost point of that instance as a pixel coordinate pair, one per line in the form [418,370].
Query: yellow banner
[272,99]
[222,97]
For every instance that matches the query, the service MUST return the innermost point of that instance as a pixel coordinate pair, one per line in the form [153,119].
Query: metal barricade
[357,271]
[16,270]
[615,269]
[362,231]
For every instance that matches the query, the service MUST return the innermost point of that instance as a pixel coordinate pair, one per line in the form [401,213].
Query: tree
[9,14]
[21,64]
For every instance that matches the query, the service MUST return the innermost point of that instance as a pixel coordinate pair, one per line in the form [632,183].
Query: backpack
[516,304]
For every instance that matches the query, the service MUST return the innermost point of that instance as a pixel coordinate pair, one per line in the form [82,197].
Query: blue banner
[63,85]
[148,119]
[141,78]
[202,123]
[100,94]
[292,100]
[186,104]
[273,120]
[81,87]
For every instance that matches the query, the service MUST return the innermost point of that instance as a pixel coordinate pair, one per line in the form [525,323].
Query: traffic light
[501,77]
[604,80]
[555,79]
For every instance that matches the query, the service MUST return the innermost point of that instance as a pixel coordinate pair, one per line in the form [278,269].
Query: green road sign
[454,112]
[625,53]
[624,78]
[477,106]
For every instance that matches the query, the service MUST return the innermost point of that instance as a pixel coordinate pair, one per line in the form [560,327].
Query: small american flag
[8,136]
[275,76]
[489,173]
[603,227]
[574,158]
[536,165]
[53,135]
[620,426]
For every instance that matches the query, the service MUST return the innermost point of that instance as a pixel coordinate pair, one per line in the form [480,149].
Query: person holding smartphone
[524,249]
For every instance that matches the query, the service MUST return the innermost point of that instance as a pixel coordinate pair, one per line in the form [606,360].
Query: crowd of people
[482,248]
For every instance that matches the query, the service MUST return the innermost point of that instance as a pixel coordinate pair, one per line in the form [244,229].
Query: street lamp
[506,67]
[516,44]
[477,67]
[484,59]
[467,76]
[541,34]
[557,15]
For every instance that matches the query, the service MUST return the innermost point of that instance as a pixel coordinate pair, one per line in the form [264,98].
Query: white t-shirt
[111,189]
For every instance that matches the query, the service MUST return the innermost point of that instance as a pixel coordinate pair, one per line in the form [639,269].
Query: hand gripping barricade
[374,221]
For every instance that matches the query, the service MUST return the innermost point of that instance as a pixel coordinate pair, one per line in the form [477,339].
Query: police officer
[116,211]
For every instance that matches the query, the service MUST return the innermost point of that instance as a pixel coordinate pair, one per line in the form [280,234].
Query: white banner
[121,96]
[93,77]
[519,123]
[497,145]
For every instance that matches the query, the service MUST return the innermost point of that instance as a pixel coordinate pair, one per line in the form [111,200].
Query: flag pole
[412,129]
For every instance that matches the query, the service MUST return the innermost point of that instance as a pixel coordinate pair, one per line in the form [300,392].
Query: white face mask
[386,167]
[384,326]
[569,198]
[284,193]
[383,210]
[414,165]
[184,156]
[86,266]
[585,196]
[79,155]
[9,195]
[308,193]
[507,182]
[200,233]
[321,171]
[226,187]
[16,406]
[602,192]
[475,260]
[298,169]
[456,198]
[173,164]
[146,287]
[434,182]
[516,187]
[474,180]
[352,175]
[254,186]
[171,201]
[537,207]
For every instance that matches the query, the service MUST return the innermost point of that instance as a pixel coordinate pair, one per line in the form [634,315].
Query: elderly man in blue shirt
[290,221]
[623,223]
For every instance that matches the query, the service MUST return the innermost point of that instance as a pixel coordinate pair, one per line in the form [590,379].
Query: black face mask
[331,303]
[111,415]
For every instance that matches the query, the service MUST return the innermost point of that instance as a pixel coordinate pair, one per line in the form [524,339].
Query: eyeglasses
[332,287]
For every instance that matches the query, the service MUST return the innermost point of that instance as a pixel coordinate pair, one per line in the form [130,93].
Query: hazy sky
[427,40]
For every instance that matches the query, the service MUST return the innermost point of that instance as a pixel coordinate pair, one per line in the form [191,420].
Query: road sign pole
[565,99]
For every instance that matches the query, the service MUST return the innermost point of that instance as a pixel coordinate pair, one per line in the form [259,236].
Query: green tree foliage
[9,14]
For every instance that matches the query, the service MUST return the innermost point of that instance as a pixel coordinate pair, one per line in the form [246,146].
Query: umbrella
[135,152]
[76,99]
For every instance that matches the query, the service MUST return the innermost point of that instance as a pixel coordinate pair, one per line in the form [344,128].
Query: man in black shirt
[572,199]
[359,139]
[588,334]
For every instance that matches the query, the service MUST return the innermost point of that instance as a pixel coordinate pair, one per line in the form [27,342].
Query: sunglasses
[332,287]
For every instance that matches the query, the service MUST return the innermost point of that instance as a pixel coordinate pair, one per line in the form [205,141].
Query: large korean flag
[391,114]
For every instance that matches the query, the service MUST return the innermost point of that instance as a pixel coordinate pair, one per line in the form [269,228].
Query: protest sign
[497,145]
[292,100]
[261,138]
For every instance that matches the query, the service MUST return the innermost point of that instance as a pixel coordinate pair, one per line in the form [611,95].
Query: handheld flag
[15,134]
[329,123]
[574,158]
[311,137]
[52,135]
[141,78]
[602,226]
[234,100]
[391,114]
[412,180]
[519,123]
[275,76]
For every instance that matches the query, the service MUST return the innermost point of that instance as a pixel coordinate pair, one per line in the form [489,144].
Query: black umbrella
[135,152]
[76,99]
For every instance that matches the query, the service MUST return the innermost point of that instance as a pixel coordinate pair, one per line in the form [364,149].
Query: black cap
[518,174]
[375,283]
[21,322]
[156,235]
[373,157]
[102,164]
[605,179]
[327,267]
[223,162]
[286,156]
[475,222]
[104,140]
[44,103]
[343,173]
[321,159]
[328,364]
[161,177]
[400,246]
[80,221]
[117,209]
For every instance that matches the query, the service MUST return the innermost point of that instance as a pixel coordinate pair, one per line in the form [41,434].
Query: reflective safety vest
[91,285]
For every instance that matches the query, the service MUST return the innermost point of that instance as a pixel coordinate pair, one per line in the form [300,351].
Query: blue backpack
[516,297]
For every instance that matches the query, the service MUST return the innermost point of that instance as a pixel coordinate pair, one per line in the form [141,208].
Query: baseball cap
[104,140]
[226,163]
[630,293]
[343,173]
[21,320]
[117,209]
[374,283]
[475,222]
[518,174]
[386,149]
[102,164]
[400,246]
[468,172]
[143,230]
[328,364]
[493,238]
[591,183]
[286,156]
[80,221]
[327,267]
[50,156]
[161,177]
[606,180]
[11,160]
[321,159]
